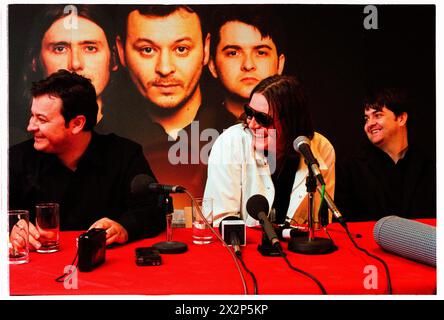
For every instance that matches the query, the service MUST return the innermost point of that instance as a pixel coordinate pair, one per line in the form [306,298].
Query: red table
[209,269]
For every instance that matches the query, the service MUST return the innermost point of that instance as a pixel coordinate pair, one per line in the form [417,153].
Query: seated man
[389,176]
[88,174]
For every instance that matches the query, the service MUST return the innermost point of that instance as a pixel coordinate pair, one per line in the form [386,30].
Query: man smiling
[88,174]
[390,175]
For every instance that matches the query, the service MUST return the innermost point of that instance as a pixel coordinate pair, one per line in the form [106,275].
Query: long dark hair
[47,15]
[287,102]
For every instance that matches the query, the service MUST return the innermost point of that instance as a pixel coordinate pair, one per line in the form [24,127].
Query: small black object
[148,256]
[91,248]
[230,225]
[314,246]
[267,249]
[171,247]
[286,232]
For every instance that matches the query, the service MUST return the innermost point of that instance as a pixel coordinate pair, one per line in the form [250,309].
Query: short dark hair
[262,17]
[395,99]
[77,93]
[287,101]
[157,11]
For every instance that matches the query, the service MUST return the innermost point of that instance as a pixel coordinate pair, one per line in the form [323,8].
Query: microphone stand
[311,245]
[169,246]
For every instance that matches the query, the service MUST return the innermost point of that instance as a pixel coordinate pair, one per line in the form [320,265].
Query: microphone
[257,207]
[291,232]
[407,238]
[143,183]
[332,206]
[232,230]
[302,145]
[141,186]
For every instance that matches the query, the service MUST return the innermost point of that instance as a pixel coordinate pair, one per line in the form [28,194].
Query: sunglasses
[262,118]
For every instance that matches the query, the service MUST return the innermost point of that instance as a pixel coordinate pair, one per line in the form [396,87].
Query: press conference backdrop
[327,46]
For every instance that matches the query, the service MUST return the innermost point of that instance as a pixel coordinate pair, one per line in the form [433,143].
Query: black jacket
[99,187]
[369,185]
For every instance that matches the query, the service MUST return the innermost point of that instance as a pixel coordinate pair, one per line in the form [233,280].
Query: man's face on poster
[164,56]
[83,50]
[243,58]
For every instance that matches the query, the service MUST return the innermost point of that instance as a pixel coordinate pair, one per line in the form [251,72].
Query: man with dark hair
[164,50]
[389,176]
[247,46]
[78,38]
[88,174]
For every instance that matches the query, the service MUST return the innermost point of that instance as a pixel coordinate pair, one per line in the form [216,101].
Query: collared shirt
[100,186]
[370,185]
[236,172]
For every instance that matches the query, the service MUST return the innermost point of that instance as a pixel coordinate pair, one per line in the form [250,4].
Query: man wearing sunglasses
[257,156]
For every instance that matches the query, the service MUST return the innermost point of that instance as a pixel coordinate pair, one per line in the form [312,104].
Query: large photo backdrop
[173,83]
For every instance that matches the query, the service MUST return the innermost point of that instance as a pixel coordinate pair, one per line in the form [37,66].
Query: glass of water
[202,208]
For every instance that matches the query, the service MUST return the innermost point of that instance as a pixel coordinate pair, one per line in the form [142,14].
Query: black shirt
[283,180]
[99,187]
[369,185]
[177,162]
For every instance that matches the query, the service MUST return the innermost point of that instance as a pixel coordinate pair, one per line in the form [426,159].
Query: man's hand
[114,231]
[17,236]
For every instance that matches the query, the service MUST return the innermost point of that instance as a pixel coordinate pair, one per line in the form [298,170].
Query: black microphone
[232,230]
[302,145]
[257,207]
[291,232]
[332,206]
[141,187]
[143,183]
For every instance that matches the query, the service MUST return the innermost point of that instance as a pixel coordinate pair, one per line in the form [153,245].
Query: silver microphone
[302,145]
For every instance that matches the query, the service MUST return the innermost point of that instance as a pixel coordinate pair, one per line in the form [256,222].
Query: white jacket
[236,172]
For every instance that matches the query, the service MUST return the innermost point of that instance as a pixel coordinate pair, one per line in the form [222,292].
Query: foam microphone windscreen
[256,204]
[409,239]
[140,185]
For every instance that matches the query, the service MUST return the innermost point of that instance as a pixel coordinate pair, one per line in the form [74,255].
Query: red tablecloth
[209,269]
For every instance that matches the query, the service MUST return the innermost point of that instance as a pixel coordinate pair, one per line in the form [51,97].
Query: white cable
[221,240]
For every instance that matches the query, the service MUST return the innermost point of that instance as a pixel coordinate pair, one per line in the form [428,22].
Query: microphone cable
[67,275]
[221,240]
[323,218]
[239,256]
[344,225]
[301,271]
[318,283]
[387,272]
